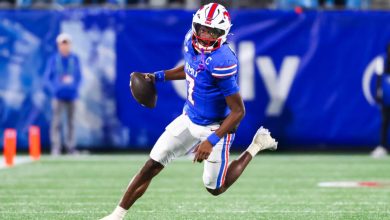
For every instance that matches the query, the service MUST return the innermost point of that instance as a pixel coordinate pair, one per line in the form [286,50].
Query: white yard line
[107,157]
[354,184]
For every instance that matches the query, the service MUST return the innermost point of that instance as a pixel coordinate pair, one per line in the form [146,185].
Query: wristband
[213,139]
[159,76]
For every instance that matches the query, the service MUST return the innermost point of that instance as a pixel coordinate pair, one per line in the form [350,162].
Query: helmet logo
[211,13]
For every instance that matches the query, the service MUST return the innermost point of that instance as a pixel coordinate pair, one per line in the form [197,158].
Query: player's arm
[237,113]
[176,73]
[227,83]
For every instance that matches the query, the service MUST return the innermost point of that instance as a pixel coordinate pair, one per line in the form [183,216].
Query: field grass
[274,186]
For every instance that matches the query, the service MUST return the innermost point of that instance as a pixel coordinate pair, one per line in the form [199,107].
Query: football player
[211,114]
[383,100]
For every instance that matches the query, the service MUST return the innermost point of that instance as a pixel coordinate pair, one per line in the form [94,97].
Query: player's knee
[215,192]
[153,165]
[151,168]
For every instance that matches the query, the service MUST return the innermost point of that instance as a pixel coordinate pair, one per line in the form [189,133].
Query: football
[143,89]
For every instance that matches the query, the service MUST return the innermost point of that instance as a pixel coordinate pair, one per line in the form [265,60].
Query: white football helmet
[215,17]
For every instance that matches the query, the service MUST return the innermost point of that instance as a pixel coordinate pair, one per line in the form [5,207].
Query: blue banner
[24,48]
[307,77]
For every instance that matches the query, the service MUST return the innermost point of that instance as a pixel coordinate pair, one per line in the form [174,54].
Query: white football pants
[181,136]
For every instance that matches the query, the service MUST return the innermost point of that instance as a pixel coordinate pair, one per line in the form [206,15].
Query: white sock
[252,150]
[120,212]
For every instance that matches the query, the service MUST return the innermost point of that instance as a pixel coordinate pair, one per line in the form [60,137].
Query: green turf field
[274,186]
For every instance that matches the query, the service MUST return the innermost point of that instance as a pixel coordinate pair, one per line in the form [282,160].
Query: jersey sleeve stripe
[223,75]
[224,71]
[225,68]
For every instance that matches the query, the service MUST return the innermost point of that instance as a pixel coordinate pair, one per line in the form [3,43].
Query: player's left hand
[202,151]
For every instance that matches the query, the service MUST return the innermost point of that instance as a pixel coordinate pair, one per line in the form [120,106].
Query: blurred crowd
[193,4]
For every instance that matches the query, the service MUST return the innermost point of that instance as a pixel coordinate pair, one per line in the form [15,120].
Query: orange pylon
[9,146]
[34,139]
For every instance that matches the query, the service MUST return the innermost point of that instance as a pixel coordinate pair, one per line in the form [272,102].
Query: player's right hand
[202,151]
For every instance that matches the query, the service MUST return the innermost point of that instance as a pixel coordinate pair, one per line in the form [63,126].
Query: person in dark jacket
[63,77]
[383,99]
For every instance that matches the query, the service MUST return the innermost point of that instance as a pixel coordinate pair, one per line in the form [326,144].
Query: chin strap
[202,65]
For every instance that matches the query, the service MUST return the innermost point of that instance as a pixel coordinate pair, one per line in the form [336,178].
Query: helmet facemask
[206,38]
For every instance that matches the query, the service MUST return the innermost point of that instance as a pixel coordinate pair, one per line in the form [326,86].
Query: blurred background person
[7,3]
[63,76]
[383,99]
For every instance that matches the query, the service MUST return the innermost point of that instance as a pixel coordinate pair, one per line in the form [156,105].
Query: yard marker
[354,184]
[34,140]
[9,146]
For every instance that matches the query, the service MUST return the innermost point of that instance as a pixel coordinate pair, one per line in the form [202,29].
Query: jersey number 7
[191,85]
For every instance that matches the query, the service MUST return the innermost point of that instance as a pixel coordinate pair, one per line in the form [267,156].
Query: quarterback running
[211,113]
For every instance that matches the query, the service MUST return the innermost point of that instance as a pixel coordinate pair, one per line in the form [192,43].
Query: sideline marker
[9,146]
[34,140]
